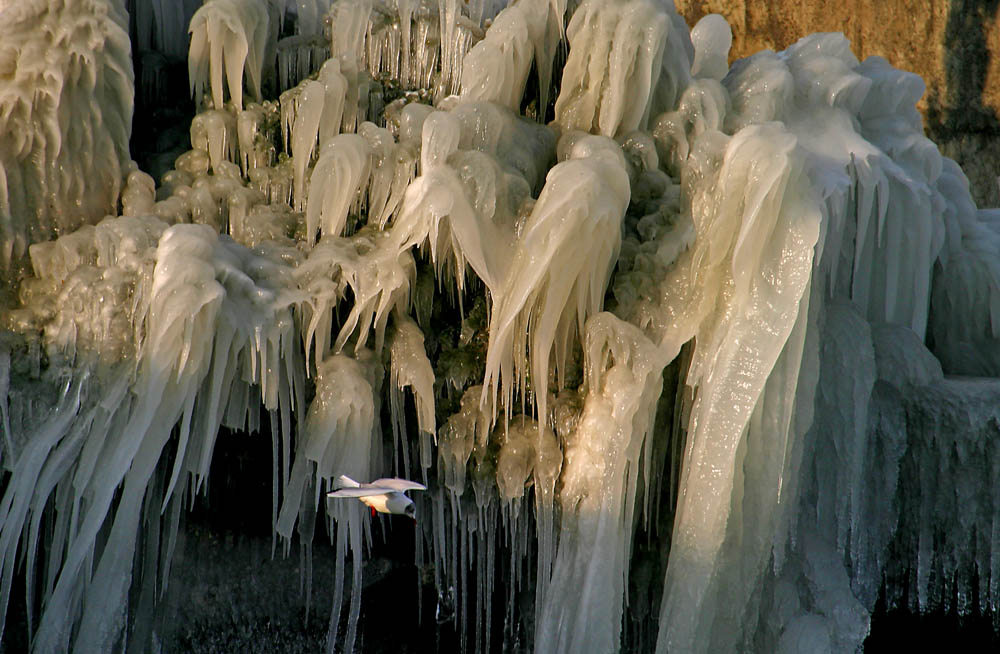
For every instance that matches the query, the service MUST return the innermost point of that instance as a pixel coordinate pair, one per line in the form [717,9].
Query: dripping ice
[653,358]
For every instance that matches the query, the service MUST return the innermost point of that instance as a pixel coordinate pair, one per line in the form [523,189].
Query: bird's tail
[343,481]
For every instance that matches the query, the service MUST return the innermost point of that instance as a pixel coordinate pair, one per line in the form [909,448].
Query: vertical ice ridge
[738,342]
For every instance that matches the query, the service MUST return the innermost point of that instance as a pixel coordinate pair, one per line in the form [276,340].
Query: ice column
[581,610]
[757,222]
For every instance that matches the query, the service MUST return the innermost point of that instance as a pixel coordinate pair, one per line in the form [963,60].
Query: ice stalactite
[461,207]
[68,64]
[340,175]
[394,166]
[546,29]
[756,240]
[318,112]
[559,272]
[581,608]
[342,437]
[410,367]
[229,40]
[206,324]
[215,132]
[496,69]
[625,66]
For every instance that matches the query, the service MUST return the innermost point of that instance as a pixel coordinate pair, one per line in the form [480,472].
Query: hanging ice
[678,333]
[229,38]
[582,604]
[68,64]
[559,272]
[626,65]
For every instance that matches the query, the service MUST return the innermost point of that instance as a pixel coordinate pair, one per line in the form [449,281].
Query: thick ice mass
[676,366]
[65,65]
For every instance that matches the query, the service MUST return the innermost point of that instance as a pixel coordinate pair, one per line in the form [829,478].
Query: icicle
[409,366]
[571,240]
[599,487]
[613,87]
[496,69]
[785,211]
[305,131]
[546,30]
[228,39]
[341,174]
[215,132]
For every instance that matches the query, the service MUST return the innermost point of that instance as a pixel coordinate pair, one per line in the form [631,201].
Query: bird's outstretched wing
[366,491]
[343,481]
[397,484]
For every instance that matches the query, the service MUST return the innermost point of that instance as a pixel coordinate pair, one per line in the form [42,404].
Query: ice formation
[668,353]
[68,65]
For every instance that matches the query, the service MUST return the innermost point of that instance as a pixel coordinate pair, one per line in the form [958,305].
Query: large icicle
[206,321]
[496,68]
[582,607]
[757,222]
[560,270]
[340,176]
[462,206]
[229,39]
[625,65]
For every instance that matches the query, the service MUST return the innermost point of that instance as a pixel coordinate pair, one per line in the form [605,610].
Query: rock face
[952,44]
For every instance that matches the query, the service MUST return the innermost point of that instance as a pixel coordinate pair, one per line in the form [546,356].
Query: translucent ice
[340,176]
[496,68]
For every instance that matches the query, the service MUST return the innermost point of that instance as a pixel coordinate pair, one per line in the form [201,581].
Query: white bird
[382,495]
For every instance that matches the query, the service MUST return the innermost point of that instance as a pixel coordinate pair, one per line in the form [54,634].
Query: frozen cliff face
[662,352]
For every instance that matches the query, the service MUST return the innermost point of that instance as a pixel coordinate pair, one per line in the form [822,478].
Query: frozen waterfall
[683,350]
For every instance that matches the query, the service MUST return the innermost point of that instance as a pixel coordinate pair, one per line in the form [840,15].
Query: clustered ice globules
[755,225]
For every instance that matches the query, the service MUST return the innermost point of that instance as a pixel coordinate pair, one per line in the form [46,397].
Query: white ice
[697,305]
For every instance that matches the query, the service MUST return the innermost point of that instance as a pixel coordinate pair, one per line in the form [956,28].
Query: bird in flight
[382,495]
